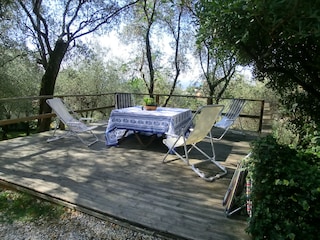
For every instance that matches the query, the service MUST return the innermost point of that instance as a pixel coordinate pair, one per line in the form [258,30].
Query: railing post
[157,99]
[261,116]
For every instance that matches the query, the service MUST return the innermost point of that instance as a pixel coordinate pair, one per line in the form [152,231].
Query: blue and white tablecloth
[162,120]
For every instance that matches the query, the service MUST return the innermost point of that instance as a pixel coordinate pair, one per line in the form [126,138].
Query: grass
[16,206]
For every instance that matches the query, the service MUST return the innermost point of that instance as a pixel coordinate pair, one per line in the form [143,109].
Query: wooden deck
[128,183]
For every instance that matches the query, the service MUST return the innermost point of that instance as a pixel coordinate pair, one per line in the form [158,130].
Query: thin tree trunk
[150,63]
[176,59]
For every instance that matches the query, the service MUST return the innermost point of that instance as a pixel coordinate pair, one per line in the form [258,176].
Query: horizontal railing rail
[4,122]
[109,105]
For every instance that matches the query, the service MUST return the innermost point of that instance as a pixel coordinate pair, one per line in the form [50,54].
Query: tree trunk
[150,62]
[176,59]
[212,84]
[210,99]
[49,80]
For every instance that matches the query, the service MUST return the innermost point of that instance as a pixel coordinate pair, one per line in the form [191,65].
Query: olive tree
[154,22]
[218,67]
[55,26]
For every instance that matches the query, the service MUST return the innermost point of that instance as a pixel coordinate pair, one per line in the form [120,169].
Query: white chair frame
[75,125]
[205,118]
[228,118]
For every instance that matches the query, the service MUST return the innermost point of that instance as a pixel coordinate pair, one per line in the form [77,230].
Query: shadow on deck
[128,183]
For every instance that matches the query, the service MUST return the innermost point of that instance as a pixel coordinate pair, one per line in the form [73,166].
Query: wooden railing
[105,104]
[4,122]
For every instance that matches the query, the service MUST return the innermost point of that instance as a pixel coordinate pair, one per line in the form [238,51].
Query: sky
[122,51]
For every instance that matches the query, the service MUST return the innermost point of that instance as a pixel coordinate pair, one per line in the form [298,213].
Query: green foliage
[280,39]
[218,66]
[91,76]
[285,133]
[18,70]
[301,107]
[149,101]
[296,127]
[16,206]
[240,87]
[311,138]
[18,77]
[136,85]
[286,191]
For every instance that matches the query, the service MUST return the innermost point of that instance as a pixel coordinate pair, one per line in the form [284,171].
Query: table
[162,120]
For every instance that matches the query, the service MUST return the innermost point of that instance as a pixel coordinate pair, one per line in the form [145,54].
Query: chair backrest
[60,109]
[123,100]
[204,119]
[231,114]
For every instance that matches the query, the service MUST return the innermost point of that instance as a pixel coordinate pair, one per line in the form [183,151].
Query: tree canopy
[279,39]
[54,27]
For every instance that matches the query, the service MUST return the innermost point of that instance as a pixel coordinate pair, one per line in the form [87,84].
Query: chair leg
[88,143]
[209,159]
[55,137]
[173,151]
[152,138]
[211,178]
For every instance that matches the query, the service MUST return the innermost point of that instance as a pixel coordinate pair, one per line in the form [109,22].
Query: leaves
[287,180]
[279,38]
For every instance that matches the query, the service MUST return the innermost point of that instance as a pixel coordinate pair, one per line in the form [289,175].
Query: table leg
[152,138]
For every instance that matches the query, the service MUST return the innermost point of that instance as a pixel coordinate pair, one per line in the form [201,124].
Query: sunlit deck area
[128,183]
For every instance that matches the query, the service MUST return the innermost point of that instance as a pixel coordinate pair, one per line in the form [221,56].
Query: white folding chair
[75,125]
[236,187]
[228,118]
[202,123]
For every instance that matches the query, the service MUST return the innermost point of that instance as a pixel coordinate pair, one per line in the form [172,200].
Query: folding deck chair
[229,117]
[236,187]
[75,125]
[123,100]
[201,123]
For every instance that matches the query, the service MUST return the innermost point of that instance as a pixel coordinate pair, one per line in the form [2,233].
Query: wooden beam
[25,119]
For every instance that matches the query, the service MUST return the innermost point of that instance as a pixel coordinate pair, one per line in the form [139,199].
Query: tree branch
[107,19]
[43,39]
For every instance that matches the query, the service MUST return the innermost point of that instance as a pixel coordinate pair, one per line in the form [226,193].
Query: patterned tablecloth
[163,120]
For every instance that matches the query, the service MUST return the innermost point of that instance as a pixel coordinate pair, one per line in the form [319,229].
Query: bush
[286,191]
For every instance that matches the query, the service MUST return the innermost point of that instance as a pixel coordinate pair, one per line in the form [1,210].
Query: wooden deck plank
[128,182]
